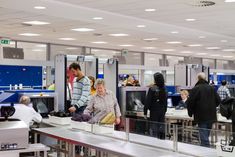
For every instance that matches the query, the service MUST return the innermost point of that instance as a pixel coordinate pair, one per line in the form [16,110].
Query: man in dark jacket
[201,104]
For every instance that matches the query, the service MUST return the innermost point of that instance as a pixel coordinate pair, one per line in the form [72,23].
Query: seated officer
[25,112]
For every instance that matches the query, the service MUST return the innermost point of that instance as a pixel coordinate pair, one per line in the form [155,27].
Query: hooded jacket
[202,102]
[156,100]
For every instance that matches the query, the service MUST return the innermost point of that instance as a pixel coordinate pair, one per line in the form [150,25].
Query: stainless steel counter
[105,144]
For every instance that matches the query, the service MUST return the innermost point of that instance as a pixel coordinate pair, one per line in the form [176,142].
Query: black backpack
[226,107]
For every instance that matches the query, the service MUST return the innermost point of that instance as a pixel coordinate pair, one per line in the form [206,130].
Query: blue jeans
[204,133]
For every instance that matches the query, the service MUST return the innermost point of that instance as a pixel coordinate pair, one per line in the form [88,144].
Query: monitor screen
[43,105]
[5,104]
[135,100]
[169,102]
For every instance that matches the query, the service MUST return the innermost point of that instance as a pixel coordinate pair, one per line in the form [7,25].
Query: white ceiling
[215,23]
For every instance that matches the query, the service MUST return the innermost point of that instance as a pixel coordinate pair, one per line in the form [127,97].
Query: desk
[104,144]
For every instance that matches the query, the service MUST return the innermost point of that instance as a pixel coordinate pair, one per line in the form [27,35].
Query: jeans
[204,133]
[157,130]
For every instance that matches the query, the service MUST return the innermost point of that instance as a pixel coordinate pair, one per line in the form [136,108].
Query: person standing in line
[81,89]
[156,103]
[92,82]
[201,104]
[223,91]
[104,100]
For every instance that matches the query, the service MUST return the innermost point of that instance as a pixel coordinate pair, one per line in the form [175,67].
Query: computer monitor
[135,100]
[2,105]
[169,103]
[43,105]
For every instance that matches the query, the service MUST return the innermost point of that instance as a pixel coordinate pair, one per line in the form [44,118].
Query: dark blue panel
[171,89]
[101,76]
[27,75]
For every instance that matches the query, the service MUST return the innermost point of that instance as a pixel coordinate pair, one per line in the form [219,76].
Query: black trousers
[157,124]
[233,129]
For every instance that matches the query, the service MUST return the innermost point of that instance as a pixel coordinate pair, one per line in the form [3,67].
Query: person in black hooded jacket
[156,102]
[201,104]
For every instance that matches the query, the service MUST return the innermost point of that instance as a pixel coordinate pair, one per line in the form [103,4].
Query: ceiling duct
[200,3]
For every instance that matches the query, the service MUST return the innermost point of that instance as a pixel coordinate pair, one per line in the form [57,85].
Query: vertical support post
[175,138]
[127,129]
[60,80]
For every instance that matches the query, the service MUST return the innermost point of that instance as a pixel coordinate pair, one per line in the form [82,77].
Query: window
[172,60]
[152,60]
[209,62]
[68,50]
[222,64]
[33,51]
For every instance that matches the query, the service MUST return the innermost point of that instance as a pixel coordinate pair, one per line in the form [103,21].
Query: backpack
[226,107]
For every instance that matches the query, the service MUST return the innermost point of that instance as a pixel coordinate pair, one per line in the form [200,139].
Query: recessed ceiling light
[228,50]
[215,55]
[190,20]
[201,54]
[149,48]
[213,48]
[83,29]
[168,50]
[95,50]
[186,52]
[12,43]
[67,39]
[99,42]
[150,10]
[36,23]
[103,55]
[126,45]
[30,34]
[174,32]
[152,59]
[37,50]
[140,26]
[41,45]
[71,48]
[150,39]
[97,18]
[136,54]
[119,35]
[202,37]
[194,45]
[223,41]
[227,56]
[116,52]
[174,42]
[227,1]
[39,7]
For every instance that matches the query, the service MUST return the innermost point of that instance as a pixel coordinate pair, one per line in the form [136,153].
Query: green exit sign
[5,41]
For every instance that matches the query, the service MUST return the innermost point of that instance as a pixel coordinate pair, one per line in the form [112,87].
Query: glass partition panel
[151,133]
[109,129]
